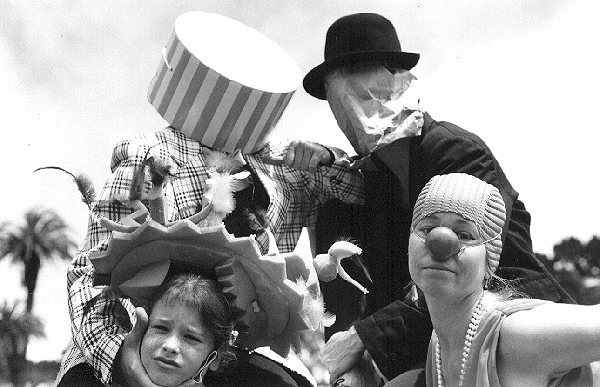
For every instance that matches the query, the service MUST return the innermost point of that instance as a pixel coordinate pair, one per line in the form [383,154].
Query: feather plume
[313,308]
[86,188]
[160,170]
[257,218]
[137,182]
[220,161]
[220,192]
[84,185]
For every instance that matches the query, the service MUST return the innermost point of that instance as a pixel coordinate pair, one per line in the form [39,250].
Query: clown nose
[442,243]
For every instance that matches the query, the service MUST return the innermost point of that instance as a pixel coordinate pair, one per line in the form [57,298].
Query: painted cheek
[416,252]
[416,249]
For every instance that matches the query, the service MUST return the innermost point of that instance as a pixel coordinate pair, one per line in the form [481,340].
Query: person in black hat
[374,97]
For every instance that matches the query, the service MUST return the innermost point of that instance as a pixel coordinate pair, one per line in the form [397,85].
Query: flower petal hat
[269,294]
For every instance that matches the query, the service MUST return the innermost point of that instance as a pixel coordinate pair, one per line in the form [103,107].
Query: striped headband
[471,198]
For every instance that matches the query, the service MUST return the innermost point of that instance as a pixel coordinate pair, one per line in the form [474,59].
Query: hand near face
[342,352]
[129,365]
[303,155]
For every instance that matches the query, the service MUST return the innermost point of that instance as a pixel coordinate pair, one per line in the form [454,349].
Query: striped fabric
[209,107]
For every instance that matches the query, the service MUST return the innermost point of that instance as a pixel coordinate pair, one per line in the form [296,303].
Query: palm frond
[19,324]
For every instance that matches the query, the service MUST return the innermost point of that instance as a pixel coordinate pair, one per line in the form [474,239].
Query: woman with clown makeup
[483,334]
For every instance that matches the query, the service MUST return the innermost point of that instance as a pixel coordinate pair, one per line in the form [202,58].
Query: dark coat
[396,334]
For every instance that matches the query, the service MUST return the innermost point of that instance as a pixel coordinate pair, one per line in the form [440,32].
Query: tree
[43,236]
[15,330]
[569,249]
[592,249]
[575,266]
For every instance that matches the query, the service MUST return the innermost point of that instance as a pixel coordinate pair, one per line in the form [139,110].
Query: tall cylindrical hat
[222,83]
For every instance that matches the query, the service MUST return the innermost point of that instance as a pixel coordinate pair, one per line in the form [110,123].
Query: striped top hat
[222,83]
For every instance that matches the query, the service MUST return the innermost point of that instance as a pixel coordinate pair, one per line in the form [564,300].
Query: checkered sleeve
[300,195]
[342,183]
[99,321]
[335,181]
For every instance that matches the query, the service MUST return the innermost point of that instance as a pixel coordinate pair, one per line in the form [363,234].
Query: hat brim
[314,81]
[266,302]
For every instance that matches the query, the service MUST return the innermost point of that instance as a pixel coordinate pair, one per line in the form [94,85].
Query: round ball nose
[442,243]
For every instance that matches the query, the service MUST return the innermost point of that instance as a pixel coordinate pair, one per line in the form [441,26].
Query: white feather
[220,192]
[313,308]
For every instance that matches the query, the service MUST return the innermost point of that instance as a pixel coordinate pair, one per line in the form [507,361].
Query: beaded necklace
[478,313]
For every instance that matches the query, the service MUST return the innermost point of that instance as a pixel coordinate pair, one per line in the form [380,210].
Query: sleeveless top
[483,372]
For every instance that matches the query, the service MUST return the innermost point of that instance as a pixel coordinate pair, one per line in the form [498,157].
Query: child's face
[175,344]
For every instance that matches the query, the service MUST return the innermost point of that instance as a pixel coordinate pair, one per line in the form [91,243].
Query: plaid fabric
[99,323]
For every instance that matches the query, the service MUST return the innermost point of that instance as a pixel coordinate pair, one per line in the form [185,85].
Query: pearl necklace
[478,313]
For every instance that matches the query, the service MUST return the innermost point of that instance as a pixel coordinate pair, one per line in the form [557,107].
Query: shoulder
[168,141]
[512,306]
[526,327]
[444,148]
[437,131]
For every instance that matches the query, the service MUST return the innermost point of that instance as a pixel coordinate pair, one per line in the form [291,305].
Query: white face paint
[374,107]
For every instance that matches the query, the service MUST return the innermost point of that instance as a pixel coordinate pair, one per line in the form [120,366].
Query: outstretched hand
[129,365]
[303,155]
[342,352]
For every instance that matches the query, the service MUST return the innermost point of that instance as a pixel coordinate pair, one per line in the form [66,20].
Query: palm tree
[15,330]
[43,236]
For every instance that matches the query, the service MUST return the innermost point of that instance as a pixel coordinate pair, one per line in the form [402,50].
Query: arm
[567,335]
[397,337]
[322,177]
[342,352]
[99,322]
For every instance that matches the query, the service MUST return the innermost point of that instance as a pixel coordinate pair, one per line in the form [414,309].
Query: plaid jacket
[98,324]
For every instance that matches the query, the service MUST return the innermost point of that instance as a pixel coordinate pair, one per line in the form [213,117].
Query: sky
[521,74]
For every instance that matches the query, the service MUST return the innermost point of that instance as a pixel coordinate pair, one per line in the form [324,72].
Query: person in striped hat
[367,81]
[222,87]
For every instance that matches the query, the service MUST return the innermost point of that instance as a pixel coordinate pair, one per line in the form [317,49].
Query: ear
[214,365]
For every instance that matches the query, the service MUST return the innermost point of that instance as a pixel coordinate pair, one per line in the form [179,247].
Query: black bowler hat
[356,38]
